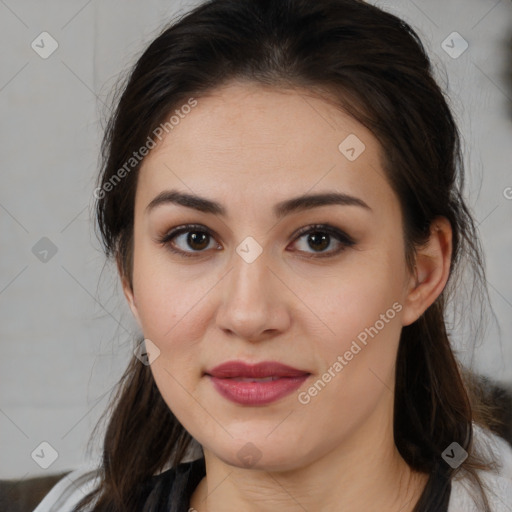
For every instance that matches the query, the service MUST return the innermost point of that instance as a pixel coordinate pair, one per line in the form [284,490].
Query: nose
[254,302]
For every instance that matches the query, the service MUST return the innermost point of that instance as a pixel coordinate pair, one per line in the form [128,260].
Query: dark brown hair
[374,67]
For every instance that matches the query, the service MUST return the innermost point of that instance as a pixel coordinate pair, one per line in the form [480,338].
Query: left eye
[319,237]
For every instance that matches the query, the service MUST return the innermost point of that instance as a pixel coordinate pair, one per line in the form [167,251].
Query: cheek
[168,297]
[356,364]
[173,316]
[173,309]
[361,309]
[354,297]
[366,329]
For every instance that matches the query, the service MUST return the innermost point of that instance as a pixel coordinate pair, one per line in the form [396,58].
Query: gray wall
[66,332]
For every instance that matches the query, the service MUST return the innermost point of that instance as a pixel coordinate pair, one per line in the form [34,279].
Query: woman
[281,191]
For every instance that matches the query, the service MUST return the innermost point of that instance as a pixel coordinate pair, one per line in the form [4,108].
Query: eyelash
[339,235]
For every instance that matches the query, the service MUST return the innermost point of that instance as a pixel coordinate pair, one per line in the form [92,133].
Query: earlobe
[128,292]
[431,271]
[130,298]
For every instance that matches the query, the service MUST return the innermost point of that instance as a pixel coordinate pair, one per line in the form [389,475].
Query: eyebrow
[301,203]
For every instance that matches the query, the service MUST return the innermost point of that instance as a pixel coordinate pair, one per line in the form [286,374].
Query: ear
[431,272]
[128,290]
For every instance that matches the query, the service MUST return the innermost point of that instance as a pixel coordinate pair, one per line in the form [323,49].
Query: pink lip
[231,369]
[286,380]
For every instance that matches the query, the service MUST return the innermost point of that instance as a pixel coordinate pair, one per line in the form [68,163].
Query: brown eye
[192,240]
[318,240]
[187,240]
[322,236]
[196,240]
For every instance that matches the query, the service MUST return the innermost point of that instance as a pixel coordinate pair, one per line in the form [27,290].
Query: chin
[263,456]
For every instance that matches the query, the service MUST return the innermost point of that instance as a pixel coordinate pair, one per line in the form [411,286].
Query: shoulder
[68,491]
[174,485]
[497,483]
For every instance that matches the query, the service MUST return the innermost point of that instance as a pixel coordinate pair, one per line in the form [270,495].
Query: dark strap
[171,490]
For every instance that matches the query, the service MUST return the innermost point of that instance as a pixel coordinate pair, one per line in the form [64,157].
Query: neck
[363,472]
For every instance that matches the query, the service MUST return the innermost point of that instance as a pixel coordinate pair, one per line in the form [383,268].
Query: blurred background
[66,333]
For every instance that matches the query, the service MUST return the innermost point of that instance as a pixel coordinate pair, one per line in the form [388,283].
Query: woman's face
[254,289]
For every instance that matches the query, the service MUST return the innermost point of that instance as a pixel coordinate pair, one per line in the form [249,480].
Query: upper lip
[231,369]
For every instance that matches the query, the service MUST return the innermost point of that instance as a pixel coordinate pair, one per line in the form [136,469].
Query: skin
[250,147]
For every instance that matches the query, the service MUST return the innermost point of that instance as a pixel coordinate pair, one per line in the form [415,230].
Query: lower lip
[256,393]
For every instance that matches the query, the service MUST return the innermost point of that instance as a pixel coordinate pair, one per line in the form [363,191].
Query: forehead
[257,142]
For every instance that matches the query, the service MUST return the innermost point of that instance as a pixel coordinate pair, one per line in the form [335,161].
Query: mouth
[258,384]
[266,370]
[253,379]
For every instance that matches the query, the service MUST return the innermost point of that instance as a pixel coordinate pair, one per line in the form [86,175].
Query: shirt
[74,486]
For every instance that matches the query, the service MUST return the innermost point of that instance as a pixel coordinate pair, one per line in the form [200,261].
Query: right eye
[194,236]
